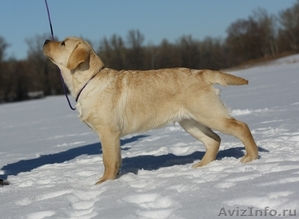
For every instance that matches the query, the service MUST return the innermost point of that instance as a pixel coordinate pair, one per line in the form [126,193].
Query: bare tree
[135,39]
[21,79]
[189,51]
[244,40]
[3,47]
[45,75]
[267,31]
[212,54]
[113,52]
[289,31]
[167,55]
[3,69]
[135,53]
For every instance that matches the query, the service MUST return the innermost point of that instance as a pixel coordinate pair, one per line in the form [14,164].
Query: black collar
[80,91]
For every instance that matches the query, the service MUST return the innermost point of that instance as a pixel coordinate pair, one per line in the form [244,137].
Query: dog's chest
[83,117]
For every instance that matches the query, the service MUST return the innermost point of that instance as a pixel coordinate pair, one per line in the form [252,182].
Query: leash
[80,91]
[61,78]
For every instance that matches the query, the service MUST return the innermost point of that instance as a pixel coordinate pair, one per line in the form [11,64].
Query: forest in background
[261,36]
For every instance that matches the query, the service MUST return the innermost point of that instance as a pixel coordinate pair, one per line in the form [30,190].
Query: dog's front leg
[111,153]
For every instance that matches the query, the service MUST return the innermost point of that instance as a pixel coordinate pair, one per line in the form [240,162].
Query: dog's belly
[152,120]
[134,127]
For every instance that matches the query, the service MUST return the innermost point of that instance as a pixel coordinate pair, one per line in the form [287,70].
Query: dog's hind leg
[229,125]
[241,131]
[210,111]
[204,134]
[111,153]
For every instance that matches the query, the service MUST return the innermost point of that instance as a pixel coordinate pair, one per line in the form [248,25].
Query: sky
[95,19]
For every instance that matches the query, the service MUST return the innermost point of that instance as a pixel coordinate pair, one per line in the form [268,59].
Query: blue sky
[96,19]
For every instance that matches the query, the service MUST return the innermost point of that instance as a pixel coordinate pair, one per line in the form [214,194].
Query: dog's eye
[62,43]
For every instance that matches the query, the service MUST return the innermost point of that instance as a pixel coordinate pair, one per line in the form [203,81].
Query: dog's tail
[217,77]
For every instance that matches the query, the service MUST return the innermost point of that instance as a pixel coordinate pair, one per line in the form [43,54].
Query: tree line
[260,36]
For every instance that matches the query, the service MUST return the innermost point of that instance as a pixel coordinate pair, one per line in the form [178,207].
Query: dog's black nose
[46,42]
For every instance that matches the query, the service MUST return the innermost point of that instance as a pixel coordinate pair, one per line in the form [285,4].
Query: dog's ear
[78,56]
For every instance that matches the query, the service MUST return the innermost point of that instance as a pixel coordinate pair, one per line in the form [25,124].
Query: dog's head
[69,53]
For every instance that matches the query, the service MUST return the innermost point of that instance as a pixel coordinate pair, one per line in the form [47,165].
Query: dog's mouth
[46,51]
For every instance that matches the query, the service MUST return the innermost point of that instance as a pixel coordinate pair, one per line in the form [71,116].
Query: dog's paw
[248,158]
[100,181]
[103,179]
[199,164]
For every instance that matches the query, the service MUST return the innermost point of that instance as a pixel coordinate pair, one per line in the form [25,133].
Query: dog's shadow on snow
[151,162]
[129,164]
[60,157]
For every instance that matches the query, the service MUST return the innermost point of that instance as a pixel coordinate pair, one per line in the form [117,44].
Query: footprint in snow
[41,215]
[272,200]
[37,198]
[82,203]
[152,205]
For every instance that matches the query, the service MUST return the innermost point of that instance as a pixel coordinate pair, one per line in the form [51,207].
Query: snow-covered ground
[52,160]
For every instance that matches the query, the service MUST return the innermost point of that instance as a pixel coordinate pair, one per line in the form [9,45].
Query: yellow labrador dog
[116,103]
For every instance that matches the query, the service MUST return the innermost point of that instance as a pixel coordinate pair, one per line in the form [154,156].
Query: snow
[52,160]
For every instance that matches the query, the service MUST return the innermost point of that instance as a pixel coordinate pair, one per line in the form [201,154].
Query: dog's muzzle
[47,41]
[46,46]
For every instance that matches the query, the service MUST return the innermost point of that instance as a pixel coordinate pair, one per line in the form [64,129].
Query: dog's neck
[77,78]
